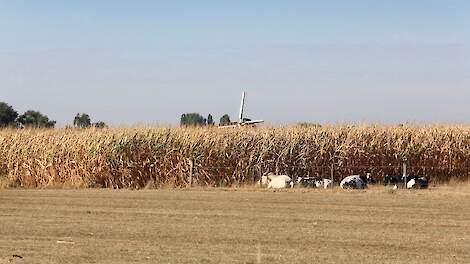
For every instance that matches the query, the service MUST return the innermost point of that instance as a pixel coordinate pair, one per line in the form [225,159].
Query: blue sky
[147,62]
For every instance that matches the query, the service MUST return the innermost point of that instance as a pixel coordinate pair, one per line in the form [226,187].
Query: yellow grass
[135,158]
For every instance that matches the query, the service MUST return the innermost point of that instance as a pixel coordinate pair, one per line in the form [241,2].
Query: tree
[8,115]
[225,120]
[82,121]
[210,120]
[192,119]
[35,119]
[100,124]
[308,125]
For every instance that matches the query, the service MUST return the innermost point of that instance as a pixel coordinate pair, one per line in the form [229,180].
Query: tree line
[196,119]
[9,117]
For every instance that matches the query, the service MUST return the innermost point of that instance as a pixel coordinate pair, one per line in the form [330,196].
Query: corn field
[139,157]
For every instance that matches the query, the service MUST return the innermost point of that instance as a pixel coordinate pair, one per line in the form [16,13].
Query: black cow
[392,180]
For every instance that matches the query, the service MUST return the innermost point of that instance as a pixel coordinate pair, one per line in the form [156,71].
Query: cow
[313,182]
[307,182]
[370,179]
[410,181]
[417,182]
[390,180]
[276,181]
[353,182]
[327,183]
[264,180]
[279,182]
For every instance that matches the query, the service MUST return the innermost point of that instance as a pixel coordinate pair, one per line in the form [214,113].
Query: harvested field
[236,226]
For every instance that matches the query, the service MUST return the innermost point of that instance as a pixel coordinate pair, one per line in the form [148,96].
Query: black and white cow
[314,182]
[416,182]
[353,182]
[307,182]
[369,179]
[358,181]
[327,183]
[410,181]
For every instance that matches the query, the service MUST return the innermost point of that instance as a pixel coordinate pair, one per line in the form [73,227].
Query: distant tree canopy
[8,115]
[224,120]
[100,124]
[82,121]
[308,125]
[210,120]
[192,119]
[35,119]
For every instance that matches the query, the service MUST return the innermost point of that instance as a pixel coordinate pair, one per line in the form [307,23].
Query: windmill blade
[252,122]
[242,106]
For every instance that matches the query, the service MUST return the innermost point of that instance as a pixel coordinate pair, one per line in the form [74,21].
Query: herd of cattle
[273,181]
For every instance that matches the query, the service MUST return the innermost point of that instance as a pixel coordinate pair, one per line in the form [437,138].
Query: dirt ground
[235,226]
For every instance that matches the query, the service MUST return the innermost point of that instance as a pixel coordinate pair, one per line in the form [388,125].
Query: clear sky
[147,62]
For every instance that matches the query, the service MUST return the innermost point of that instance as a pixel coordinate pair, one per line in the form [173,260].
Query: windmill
[243,121]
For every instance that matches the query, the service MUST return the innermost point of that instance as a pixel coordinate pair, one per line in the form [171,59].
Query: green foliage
[210,120]
[82,121]
[7,115]
[35,119]
[192,119]
[225,120]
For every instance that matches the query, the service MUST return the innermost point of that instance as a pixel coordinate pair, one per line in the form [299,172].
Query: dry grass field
[236,226]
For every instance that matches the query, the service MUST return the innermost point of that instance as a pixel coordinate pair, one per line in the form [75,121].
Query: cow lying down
[416,182]
[353,182]
[412,182]
[276,181]
[313,182]
[392,180]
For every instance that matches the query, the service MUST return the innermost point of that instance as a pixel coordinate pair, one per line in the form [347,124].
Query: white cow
[353,182]
[327,183]
[318,183]
[277,181]
[411,184]
[264,180]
